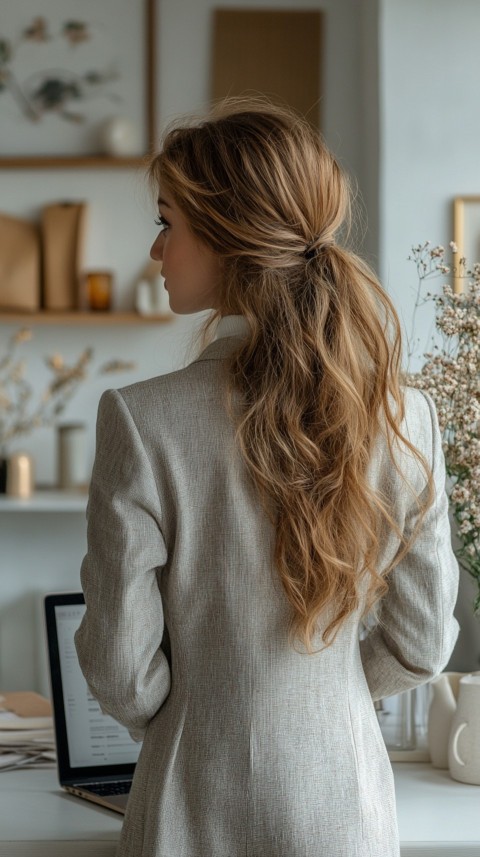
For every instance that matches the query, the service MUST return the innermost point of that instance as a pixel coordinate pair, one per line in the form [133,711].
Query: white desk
[39,819]
[437,817]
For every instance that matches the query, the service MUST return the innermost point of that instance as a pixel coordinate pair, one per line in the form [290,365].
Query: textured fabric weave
[250,748]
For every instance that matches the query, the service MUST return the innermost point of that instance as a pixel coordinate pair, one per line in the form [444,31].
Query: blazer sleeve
[119,639]
[416,631]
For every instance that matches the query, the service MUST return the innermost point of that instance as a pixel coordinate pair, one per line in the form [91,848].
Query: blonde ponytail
[319,377]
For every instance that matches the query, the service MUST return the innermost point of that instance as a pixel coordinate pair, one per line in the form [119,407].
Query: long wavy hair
[319,375]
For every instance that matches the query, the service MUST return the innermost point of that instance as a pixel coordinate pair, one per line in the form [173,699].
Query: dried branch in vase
[18,413]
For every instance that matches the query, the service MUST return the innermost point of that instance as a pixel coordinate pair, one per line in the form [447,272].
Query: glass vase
[396,716]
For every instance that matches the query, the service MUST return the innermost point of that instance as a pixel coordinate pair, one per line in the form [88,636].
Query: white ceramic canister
[72,455]
[161,300]
[20,475]
[464,741]
[143,298]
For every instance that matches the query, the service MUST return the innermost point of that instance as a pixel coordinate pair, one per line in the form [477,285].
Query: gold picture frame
[21,40]
[466,234]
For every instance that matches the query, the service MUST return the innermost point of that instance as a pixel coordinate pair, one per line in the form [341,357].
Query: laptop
[96,756]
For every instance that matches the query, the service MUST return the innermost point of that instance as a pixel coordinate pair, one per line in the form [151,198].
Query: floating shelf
[59,163]
[83,318]
[46,500]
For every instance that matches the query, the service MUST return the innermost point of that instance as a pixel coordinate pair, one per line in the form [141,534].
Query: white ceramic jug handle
[456,736]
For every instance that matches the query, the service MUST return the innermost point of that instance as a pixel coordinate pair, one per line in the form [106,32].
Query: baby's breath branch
[451,375]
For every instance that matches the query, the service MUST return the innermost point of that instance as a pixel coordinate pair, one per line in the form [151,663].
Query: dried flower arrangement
[451,375]
[17,417]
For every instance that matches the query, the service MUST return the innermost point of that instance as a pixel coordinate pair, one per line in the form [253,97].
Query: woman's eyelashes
[160,221]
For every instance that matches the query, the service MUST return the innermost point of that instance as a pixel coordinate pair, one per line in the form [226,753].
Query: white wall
[369,127]
[42,552]
[429,73]
[429,132]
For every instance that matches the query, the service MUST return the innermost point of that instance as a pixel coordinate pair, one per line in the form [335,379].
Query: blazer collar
[231,325]
[229,330]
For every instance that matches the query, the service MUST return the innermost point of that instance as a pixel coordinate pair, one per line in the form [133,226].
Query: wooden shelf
[54,163]
[46,500]
[82,318]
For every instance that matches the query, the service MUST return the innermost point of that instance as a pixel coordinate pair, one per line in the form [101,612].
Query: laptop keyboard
[122,787]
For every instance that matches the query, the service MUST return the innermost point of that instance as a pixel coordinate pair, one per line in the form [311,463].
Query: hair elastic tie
[311,250]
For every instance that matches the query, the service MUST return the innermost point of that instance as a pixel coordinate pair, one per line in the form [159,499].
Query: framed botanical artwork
[466,235]
[77,82]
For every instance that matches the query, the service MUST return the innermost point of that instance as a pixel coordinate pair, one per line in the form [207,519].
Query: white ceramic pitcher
[440,715]
[464,741]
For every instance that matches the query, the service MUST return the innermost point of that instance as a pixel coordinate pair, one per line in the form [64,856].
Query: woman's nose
[156,250]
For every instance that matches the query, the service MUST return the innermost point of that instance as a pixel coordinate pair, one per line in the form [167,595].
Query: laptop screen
[89,743]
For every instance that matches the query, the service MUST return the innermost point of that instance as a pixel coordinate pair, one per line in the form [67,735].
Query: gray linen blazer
[250,748]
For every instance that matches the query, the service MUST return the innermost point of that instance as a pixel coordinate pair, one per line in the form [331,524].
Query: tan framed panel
[277,53]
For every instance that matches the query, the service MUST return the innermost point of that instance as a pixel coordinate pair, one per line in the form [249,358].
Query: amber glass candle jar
[99,288]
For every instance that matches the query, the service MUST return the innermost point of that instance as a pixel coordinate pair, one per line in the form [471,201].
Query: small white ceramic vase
[464,741]
[151,298]
[440,715]
[118,137]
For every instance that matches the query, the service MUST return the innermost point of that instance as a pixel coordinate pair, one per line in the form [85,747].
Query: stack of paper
[26,731]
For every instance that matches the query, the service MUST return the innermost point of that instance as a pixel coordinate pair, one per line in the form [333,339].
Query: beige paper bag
[62,243]
[19,264]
